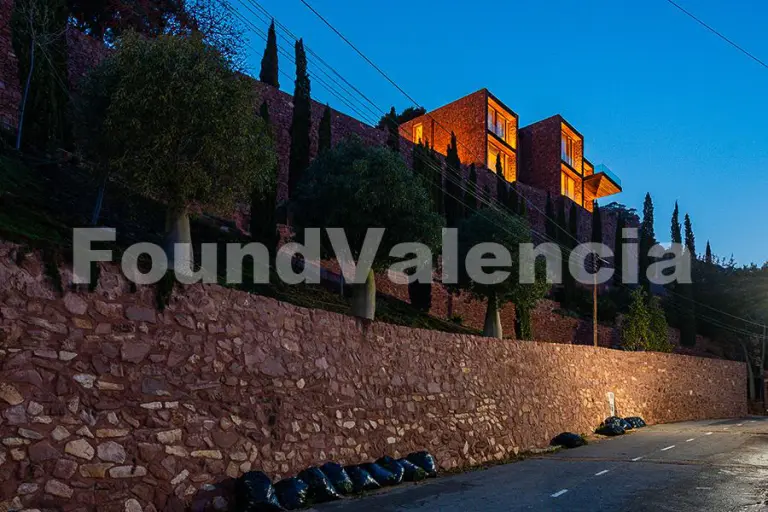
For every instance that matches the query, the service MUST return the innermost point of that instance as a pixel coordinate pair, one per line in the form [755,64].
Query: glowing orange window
[418,133]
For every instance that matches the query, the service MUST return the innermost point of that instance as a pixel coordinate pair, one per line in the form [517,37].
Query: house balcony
[603,182]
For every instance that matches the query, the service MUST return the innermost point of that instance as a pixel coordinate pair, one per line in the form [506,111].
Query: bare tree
[37,23]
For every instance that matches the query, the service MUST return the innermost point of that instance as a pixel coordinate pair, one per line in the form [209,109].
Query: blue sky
[669,107]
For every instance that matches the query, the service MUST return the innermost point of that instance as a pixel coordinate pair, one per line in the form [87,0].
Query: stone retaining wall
[110,405]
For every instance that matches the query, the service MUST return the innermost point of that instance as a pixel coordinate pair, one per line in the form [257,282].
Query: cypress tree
[393,131]
[565,243]
[597,232]
[454,211]
[324,132]
[573,226]
[269,72]
[263,222]
[471,198]
[647,240]
[690,239]
[436,172]
[301,122]
[550,226]
[618,254]
[708,254]
[264,113]
[501,183]
[688,320]
[512,199]
[523,206]
[677,237]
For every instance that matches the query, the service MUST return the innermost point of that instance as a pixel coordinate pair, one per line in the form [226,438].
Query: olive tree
[356,187]
[170,118]
[499,227]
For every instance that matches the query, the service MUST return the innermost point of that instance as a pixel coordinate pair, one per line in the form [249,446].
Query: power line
[717,33]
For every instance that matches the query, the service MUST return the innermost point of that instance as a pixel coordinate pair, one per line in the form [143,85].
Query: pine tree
[269,72]
[550,226]
[324,132]
[618,254]
[302,121]
[708,254]
[393,131]
[677,237]
[471,198]
[454,211]
[647,240]
[690,239]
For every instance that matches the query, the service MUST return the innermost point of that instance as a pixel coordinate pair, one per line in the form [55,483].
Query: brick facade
[109,405]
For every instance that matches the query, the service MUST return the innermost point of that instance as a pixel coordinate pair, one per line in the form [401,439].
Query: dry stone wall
[108,404]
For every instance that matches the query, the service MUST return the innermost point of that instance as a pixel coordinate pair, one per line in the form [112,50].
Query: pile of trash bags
[615,426]
[568,440]
[331,481]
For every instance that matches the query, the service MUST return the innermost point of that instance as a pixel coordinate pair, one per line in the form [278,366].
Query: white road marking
[667,448]
[708,434]
[739,424]
[559,493]
[689,440]
[601,472]
[703,488]
[636,459]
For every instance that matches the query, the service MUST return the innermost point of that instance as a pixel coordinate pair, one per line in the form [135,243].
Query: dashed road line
[667,448]
[637,459]
[559,493]
[601,472]
[708,434]
[689,440]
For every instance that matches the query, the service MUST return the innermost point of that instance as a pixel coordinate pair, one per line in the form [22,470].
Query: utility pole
[594,304]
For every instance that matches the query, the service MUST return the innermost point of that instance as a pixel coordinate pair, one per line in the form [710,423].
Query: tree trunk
[525,326]
[26,90]
[178,241]
[99,202]
[750,373]
[492,328]
[364,298]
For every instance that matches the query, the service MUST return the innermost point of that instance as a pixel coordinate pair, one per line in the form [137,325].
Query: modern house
[485,129]
[552,159]
[548,155]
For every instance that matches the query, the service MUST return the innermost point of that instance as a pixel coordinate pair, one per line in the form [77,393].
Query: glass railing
[605,170]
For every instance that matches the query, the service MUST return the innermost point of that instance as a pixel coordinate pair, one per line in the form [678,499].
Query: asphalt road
[717,465]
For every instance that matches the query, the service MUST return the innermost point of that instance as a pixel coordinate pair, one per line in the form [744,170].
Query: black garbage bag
[381,475]
[568,440]
[292,493]
[320,487]
[610,429]
[425,461]
[338,477]
[636,421]
[615,420]
[361,479]
[255,493]
[392,466]
[412,472]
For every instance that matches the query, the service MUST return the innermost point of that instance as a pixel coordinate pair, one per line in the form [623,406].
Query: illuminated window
[498,124]
[493,154]
[567,186]
[418,133]
[568,149]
